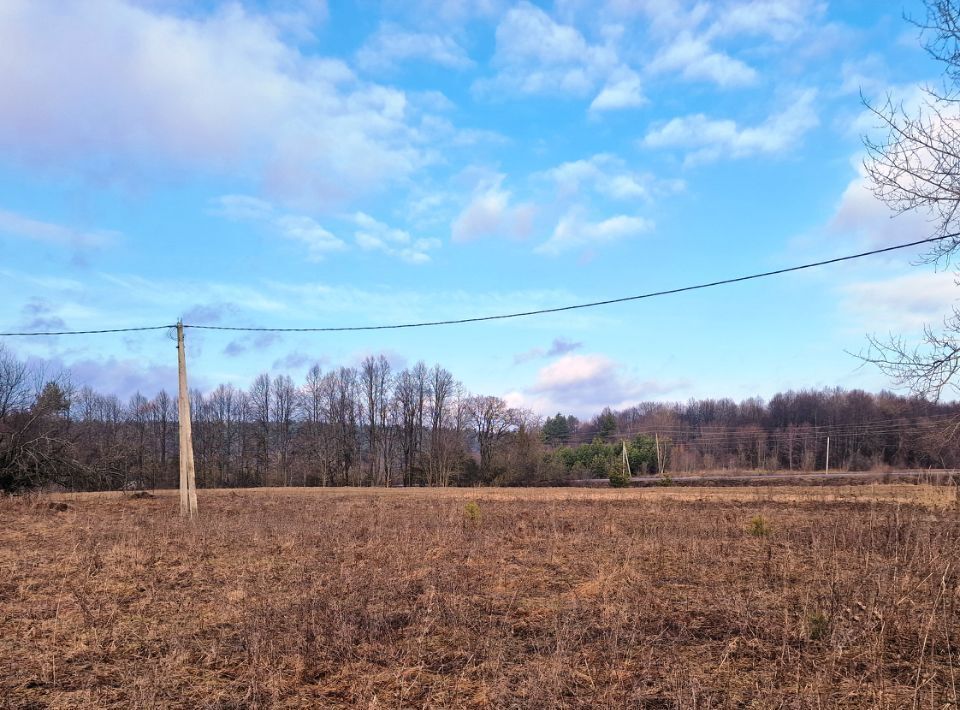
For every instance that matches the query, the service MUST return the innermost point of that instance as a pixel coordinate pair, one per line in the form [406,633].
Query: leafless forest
[418,426]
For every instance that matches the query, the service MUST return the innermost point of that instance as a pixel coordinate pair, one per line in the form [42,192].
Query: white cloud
[781,20]
[118,90]
[622,90]
[694,39]
[859,213]
[300,228]
[705,139]
[573,231]
[536,55]
[609,177]
[902,303]
[447,14]
[295,227]
[585,384]
[694,59]
[390,45]
[373,235]
[17,225]
[492,213]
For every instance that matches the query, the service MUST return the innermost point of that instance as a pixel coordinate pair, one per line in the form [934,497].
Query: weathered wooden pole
[188,478]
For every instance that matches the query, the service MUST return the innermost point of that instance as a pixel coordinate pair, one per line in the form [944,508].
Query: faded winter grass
[483,598]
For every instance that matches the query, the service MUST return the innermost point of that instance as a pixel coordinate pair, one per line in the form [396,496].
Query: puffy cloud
[373,235]
[859,213]
[305,230]
[694,59]
[573,231]
[390,45]
[705,139]
[447,14]
[781,20]
[298,228]
[622,90]
[492,213]
[536,55]
[609,177]
[584,384]
[118,90]
[903,303]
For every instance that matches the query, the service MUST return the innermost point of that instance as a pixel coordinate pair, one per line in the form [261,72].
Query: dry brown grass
[547,598]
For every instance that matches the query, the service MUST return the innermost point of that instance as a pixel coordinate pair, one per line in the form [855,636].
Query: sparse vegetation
[472,511]
[759,526]
[818,626]
[562,598]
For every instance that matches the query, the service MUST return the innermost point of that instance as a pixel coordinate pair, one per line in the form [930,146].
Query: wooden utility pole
[626,461]
[827,470]
[188,477]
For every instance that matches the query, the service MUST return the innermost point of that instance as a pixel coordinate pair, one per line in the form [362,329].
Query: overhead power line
[726,430]
[593,304]
[505,316]
[91,332]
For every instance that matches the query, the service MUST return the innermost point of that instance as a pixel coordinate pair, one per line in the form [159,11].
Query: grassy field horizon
[482,597]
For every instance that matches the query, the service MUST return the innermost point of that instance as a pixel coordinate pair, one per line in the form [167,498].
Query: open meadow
[534,598]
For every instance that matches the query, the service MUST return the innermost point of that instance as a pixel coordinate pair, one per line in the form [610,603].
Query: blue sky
[322,164]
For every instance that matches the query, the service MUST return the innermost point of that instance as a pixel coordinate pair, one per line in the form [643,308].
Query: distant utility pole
[626,461]
[188,478]
[828,455]
[656,438]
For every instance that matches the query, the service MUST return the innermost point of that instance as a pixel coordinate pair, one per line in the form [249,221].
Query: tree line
[374,425]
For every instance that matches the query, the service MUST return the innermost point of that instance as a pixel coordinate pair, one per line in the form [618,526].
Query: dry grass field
[561,598]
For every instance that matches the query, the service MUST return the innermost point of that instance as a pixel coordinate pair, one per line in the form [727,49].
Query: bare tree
[492,419]
[260,408]
[14,383]
[284,405]
[916,168]
[375,383]
[139,409]
[343,414]
[222,404]
[163,415]
[311,401]
[441,393]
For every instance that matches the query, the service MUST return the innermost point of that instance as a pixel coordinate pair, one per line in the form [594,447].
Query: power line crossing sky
[304,162]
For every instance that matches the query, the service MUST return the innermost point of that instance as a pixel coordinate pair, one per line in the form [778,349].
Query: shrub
[818,626]
[665,480]
[619,478]
[472,512]
[759,526]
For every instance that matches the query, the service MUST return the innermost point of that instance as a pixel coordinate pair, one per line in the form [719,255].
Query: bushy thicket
[596,458]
